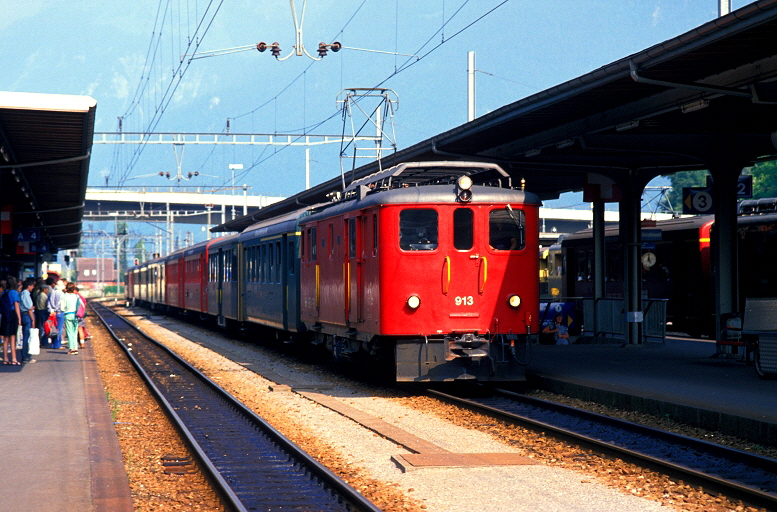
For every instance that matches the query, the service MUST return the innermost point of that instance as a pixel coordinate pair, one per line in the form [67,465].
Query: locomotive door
[354,263]
[465,271]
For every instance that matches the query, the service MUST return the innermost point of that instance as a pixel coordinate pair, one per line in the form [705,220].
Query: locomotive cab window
[506,229]
[418,230]
[462,228]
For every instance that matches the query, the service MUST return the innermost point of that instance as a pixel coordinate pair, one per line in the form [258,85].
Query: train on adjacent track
[676,264]
[430,267]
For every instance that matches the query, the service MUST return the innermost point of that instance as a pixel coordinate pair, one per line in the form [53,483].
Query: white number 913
[465,301]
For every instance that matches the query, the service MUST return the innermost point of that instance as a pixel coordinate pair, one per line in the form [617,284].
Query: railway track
[718,469]
[252,465]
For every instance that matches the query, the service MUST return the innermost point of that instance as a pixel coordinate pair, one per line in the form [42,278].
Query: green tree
[684,179]
[764,179]
[764,182]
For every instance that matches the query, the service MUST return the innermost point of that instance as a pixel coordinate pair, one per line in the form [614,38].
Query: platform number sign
[697,200]
[745,187]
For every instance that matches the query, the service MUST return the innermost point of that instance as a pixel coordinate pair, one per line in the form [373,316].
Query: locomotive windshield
[418,229]
[506,229]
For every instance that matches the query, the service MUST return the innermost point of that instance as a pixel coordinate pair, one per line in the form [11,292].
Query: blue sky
[101,48]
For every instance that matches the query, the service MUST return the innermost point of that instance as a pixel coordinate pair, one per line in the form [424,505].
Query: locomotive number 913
[430,267]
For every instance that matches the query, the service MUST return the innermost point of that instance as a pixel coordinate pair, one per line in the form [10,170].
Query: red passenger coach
[433,264]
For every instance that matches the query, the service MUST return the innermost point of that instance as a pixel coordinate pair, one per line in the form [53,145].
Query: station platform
[678,379]
[59,446]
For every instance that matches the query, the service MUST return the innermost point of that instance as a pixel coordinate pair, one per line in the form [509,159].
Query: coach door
[354,269]
[220,283]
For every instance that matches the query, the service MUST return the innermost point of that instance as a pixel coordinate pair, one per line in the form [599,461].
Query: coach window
[291,258]
[278,262]
[263,263]
[462,228]
[313,243]
[255,258]
[302,242]
[506,229]
[271,256]
[418,229]
[331,241]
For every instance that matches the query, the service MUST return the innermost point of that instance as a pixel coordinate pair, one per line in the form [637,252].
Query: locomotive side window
[506,229]
[351,238]
[374,234]
[462,228]
[418,230]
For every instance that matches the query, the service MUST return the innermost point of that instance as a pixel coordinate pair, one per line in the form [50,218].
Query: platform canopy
[45,145]
[705,98]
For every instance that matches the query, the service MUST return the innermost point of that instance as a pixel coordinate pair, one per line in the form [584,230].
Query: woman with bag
[83,334]
[70,307]
[11,321]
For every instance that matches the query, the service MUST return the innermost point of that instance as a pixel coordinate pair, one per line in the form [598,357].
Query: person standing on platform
[12,318]
[28,317]
[40,297]
[69,307]
[83,334]
[55,307]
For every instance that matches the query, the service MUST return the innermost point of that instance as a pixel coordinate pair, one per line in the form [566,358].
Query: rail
[717,468]
[253,465]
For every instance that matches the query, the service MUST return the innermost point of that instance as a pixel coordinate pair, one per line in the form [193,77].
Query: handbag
[19,337]
[34,342]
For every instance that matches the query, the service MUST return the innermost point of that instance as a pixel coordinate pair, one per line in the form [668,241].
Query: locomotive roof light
[514,301]
[413,301]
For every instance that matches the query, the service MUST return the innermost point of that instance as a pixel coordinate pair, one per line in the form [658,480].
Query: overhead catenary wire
[162,100]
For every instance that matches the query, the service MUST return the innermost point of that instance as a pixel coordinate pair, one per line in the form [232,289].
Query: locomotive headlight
[413,301]
[514,301]
[465,183]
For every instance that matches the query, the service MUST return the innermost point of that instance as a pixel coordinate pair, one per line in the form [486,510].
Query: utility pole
[471,85]
[307,168]
[724,7]
[233,168]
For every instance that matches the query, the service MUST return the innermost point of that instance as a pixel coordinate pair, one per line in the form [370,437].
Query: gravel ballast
[564,478]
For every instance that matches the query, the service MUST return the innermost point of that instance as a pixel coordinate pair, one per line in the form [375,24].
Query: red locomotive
[432,266]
